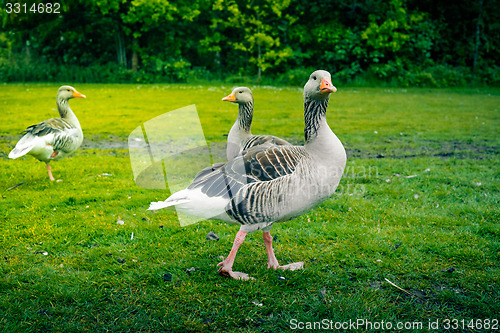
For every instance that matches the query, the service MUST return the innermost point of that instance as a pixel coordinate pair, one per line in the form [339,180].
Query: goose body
[55,138]
[272,184]
[240,137]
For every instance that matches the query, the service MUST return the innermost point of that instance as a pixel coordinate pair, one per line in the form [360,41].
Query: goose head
[240,95]
[68,92]
[319,86]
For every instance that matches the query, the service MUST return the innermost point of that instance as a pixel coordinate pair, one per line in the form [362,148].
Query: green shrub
[295,77]
[488,74]
[424,79]
[446,76]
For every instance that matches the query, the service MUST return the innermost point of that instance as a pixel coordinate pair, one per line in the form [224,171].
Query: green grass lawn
[418,206]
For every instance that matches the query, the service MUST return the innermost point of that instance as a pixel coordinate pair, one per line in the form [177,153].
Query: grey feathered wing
[247,180]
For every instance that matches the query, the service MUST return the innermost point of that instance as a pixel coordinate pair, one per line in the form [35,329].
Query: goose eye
[314,77]
[241,91]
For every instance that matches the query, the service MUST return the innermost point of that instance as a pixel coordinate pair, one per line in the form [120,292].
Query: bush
[424,79]
[295,77]
[489,74]
[449,76]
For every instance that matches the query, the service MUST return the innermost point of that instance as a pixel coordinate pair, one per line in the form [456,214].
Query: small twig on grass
[403,290]
[13,187]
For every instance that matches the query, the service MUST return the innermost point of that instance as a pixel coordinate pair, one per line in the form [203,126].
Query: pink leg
[271,258]
[49,170]
[226,267]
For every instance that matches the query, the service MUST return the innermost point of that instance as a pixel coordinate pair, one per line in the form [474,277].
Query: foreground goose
[54,138]
[240,137]
[267,185]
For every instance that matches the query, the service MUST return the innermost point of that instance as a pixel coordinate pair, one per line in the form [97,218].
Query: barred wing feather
[264,141]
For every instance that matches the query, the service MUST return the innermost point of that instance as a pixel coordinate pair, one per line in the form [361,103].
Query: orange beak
[327,86]
[230,98]
[77,94]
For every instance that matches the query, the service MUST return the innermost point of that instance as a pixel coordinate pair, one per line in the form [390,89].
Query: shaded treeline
[403,42]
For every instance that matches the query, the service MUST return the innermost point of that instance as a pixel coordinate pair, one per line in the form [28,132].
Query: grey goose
[54,138]
[240,137]
[268,185]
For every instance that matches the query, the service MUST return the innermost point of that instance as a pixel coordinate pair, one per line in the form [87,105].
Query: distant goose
[268,185]
[240,137]
[54,138]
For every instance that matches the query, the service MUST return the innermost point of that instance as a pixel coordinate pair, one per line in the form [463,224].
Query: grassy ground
[418,206]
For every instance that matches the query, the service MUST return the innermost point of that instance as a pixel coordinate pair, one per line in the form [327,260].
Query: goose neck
[245,115]
[66,113]
[314,116]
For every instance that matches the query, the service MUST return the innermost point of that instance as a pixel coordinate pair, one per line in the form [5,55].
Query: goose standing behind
[240,137]
[267,185]
[54,138]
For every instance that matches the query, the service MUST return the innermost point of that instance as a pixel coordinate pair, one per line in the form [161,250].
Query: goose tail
[167,203]
[23,147]
[16,152]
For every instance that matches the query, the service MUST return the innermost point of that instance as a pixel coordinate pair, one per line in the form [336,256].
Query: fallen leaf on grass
[192,269]
[212,236]
[449,270]
[257,303]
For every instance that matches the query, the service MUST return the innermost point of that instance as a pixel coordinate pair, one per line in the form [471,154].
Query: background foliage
[401,42]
